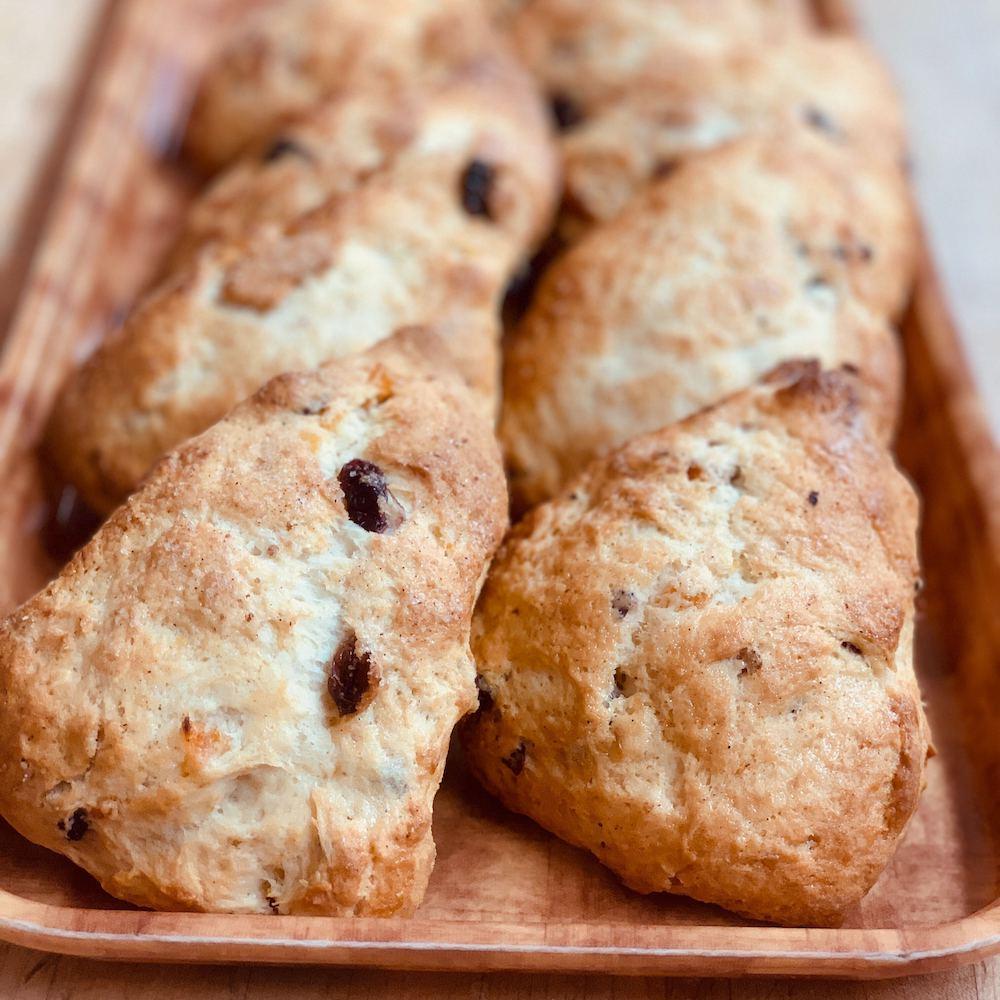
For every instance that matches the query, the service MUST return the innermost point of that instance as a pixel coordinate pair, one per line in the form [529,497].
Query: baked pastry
[696,661]
[336,148]
[463,182]
[239,695]
[762,251]
[641,84]
[592,51]
[294,55]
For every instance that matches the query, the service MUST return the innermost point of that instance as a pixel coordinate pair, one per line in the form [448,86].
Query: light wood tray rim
[140,935]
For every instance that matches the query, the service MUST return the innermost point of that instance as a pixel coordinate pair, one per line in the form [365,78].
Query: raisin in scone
[638,86]
[747,256]
[431,235]
[336,147]
[238,696]
[297,53]
[696,661]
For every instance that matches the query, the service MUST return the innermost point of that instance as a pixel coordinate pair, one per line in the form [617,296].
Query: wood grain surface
[45,49]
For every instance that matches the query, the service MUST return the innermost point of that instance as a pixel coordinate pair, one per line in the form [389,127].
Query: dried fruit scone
[462,180]
[696,661]
[340,147]
[618,45]
[765,250]
[641,84]
[295,54]
[239,695]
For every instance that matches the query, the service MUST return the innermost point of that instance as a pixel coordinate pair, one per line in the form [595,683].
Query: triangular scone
[239,695]
[290,56]
[639,85]
[696,661]
[766,250]
[459,180]
[382,129]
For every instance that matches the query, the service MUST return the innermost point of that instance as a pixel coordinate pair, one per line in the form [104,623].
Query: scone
[335,148]
[297,53]
[696,662]
[238,696]
[589,52]
[764,250]
[640,85]
[464,182]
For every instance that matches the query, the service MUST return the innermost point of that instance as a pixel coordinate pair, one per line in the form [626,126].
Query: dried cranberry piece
[367,498]
[623,601]
[566,111]
[851,648]
[664,168]
[515,759]
[76,826]
[283,146]
[818,119]
[623,684]
[350,676]
[750,659]
[477,182]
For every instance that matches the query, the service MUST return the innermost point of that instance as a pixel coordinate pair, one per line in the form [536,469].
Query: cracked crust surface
[643,84]
[292,261]
[762,251]
[296,54]
[696,661]
[170,721]
[335,147]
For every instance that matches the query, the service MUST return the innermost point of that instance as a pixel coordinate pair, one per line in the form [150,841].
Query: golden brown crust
[409,238]
[644,84]
[744,257]
[295,55]
[335,148]
[166,720]
[697,659]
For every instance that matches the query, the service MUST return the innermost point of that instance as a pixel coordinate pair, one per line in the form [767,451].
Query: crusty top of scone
[767,249]
[462,180]
[639,85]
[286,59]
[696,661]
[238,695]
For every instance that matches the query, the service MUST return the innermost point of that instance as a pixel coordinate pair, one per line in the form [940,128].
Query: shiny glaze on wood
[504,894]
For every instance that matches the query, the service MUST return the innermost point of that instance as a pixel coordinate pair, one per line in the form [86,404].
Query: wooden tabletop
[948,63]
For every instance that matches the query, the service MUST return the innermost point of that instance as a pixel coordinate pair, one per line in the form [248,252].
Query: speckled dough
[239,695]
[296,53]
[427,201]
[696,662]
[640,84]
[747,256]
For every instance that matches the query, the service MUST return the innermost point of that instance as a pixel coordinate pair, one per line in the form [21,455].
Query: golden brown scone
[696,662]
[591,52]
[239,695]
[764,250]
[335,148]
[641,84]
[297,53]
[465,183]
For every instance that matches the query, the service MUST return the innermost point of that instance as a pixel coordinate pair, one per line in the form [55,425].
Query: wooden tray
[504,894]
